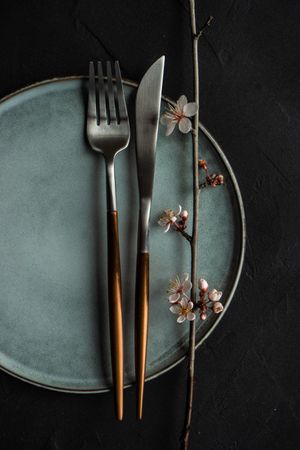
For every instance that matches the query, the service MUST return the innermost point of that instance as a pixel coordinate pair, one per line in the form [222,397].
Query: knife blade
[147,109]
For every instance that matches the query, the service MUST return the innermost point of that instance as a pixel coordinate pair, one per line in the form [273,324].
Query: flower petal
[166,119]
[185,125]
[186,286]
[174,298]
[179,210]
[181,318]
[190,305]
[190,109]
[170,128]
[181,102]
[175,309]
[167,229]
[184,302]
[191,316]
[185,276]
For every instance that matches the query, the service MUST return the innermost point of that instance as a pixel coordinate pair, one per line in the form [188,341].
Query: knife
[147,109]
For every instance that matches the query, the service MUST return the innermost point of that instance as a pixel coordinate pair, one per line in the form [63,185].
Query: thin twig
[195,233]
[201,31]
[186,236]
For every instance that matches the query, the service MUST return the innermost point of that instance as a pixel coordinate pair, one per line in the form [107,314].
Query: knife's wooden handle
[115,310]
[141,326]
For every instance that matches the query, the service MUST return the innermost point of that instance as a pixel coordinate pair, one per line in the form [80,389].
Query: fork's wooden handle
[141,326]
[115,310]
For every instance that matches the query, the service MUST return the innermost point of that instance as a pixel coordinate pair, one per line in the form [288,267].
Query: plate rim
[241,258]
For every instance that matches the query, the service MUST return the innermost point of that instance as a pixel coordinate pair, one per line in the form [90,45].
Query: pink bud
[202,284]
[173,219]
[184,215]
[217,307]
[203,316]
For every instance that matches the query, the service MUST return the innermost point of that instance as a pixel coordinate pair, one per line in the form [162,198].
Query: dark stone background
[247,375]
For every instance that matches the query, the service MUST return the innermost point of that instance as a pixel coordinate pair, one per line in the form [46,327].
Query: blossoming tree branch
[179,289]
[189,296]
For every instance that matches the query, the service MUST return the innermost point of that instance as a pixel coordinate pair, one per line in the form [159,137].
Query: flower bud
[202,284]
[202,164]
[215,295]
[173,219]
[203,316]
[217,307]
[184,215]
[220,179]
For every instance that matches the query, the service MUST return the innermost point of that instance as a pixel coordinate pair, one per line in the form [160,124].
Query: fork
[108,132]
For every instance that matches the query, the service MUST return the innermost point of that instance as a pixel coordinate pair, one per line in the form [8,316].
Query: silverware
[147,110]
[108,132]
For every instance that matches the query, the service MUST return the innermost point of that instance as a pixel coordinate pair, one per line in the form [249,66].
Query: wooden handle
[115,310]
[141,326]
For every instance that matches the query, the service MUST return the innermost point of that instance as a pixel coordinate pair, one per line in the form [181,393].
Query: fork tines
[107,103]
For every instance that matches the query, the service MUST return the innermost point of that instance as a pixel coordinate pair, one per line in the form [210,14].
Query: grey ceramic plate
[53,303]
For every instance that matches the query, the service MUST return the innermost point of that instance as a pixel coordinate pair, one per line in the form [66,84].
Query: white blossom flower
[179,114]
[184,310]
[215,295]
[217,307]
[169,217]
[179,288]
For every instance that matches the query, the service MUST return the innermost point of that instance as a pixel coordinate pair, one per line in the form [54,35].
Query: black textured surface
[247,375]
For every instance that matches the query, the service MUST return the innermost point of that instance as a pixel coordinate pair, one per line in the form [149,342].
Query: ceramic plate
[53,301]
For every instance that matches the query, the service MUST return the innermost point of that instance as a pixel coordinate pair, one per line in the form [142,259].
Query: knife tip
[162,59]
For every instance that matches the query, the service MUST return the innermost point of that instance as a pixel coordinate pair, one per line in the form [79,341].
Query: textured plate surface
[53,303]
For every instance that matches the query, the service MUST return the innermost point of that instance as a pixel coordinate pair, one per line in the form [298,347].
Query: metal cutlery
[108,132]
[147,110]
